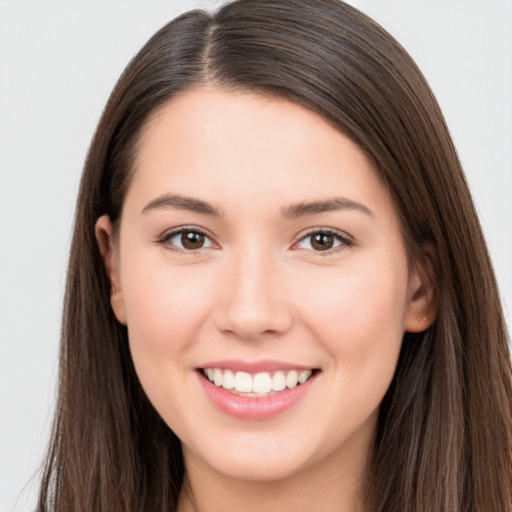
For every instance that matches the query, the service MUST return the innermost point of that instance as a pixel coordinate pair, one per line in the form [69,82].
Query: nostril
[253,323]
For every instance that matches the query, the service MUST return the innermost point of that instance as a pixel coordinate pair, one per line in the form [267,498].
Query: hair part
[444,438]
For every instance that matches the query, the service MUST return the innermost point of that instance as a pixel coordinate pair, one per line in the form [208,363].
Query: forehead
[220,144]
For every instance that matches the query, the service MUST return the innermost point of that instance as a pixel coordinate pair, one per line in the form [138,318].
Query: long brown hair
[444,438]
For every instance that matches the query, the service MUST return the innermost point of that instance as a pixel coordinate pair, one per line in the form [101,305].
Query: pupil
[192,240]
[322,241]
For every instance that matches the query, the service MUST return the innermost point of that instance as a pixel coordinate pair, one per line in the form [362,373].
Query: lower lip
[255,408]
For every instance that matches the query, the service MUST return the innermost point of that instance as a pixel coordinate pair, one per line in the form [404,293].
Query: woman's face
[258,249]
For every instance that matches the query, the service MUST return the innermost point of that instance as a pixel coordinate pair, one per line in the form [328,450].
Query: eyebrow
[304,208]
[182,203]
[293,211]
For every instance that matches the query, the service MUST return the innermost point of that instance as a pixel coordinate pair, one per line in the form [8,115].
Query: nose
[252,295]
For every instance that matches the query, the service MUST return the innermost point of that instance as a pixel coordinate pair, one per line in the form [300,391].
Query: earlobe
[422,296]
[103,232]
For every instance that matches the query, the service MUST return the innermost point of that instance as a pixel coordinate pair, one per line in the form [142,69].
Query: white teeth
[292,379]
[304,376]
[243,382]
[229,380]
[218,377]
[260,384]
[278,381]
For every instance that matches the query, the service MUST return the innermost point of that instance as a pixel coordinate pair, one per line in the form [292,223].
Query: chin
[266,461]
[260,470]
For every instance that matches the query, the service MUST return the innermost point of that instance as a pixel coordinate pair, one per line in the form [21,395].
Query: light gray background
[58,62]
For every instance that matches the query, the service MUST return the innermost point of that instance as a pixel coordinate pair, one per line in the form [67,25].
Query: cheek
[165,307]
[358,315]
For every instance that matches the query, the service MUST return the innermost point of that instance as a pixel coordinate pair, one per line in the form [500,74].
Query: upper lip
[264,365]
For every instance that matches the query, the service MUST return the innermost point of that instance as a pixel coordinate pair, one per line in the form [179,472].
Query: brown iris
[322,241]
[192,240]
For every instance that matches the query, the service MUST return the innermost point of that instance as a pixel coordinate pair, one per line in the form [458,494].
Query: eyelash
[343,239]
[166,237]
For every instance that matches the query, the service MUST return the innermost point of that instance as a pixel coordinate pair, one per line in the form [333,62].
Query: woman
[271,293]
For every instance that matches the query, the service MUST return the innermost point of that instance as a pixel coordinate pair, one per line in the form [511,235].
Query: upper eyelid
[300,236]
[331,231]
[180,229]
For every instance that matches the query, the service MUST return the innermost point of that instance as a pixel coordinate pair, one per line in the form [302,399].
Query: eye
[187,239]
[324,240]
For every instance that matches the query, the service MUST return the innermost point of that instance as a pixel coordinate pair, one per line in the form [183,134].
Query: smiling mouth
[261,384]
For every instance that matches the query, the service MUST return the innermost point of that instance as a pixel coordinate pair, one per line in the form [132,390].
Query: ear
[103,232]
[422,293]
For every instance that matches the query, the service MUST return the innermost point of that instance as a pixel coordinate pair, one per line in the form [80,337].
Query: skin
[258,289]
